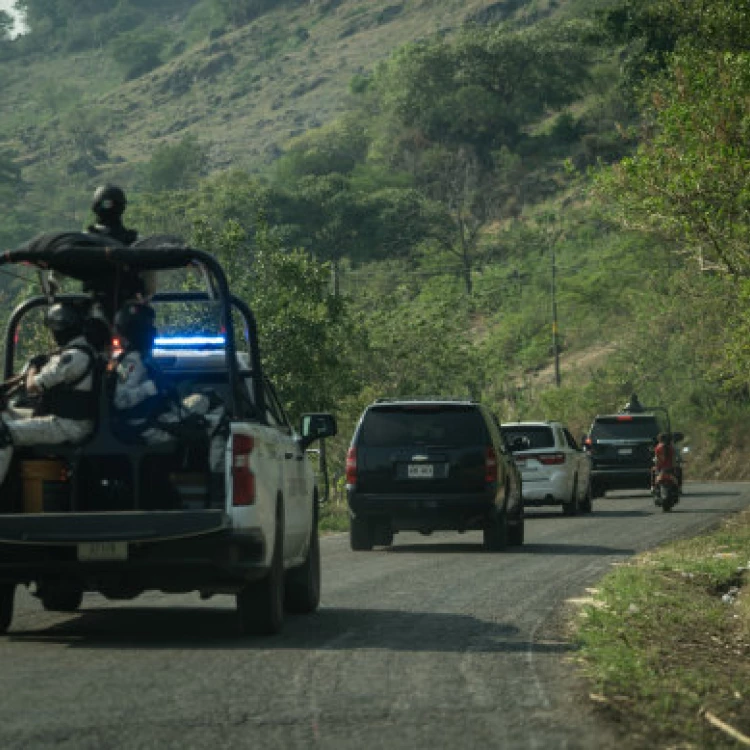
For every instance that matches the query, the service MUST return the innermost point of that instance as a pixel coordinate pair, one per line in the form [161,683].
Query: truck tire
[7,595]
[495,532]
[260,604]
[361,534]
[57,599]
[302,586]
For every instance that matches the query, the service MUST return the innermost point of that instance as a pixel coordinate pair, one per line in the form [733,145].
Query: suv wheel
[571,507]
[495,532]
[7,594]
[361,534]
[586,502]
[516,533]
[60,599]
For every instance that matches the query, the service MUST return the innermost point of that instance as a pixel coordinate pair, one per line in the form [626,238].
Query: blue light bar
[189,342]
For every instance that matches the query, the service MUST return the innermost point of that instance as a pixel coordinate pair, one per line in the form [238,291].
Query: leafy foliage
[176,166]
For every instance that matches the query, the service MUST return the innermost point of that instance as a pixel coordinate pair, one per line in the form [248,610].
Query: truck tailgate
[140,526]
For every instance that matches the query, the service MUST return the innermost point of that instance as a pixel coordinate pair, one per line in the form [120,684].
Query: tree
[689,178]
[483,89]
[176,166]
[138,52]
[7,23]
[307,336]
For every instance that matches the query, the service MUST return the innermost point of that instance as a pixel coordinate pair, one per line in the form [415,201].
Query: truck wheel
[495,532]
[7,595]
[571,507]
[61,599]
[260,604]
[361,534]
[302,587]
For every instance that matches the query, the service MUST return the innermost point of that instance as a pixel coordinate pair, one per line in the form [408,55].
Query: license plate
[95,551]
[421,471]
[625,451]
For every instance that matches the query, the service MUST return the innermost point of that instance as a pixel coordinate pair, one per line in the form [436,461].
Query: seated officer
[61,390]
[149,410]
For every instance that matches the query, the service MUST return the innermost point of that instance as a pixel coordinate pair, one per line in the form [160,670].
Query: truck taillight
[351,466]
[243,479]
[490,465]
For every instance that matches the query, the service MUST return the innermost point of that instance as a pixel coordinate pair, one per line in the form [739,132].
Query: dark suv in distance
[621,448]
[426,465]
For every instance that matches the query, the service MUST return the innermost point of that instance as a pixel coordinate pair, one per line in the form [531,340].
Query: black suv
[426,465]
[621,448]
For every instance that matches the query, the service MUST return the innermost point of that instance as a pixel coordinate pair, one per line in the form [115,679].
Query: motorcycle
[666,489]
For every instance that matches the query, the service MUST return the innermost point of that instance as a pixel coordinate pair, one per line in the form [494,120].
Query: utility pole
[555,346]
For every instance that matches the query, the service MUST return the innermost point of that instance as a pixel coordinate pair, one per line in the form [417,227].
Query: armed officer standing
[109,204]
[63,390]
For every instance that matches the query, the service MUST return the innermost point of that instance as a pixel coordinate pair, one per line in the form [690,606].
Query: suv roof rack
[396,399]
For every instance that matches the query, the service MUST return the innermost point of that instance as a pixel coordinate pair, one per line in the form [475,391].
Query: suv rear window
[422,425]
[537,437]
[624,428]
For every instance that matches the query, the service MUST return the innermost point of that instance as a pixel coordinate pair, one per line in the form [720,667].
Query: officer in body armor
[113,290]
[146,406]
[109,204]
[62,390]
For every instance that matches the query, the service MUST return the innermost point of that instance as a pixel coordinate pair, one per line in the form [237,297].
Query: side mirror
[317,426]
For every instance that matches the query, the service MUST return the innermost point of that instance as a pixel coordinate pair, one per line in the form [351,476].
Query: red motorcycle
[666,485]
[666,489]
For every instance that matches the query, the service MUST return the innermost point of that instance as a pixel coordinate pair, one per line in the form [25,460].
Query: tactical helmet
[109,201]
[65,322]
[135,322]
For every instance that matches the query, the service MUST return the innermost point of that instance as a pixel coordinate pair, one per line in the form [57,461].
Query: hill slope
[243,94]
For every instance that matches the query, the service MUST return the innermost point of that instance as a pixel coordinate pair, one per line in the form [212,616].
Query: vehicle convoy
[622,445]
[431,464]
[114,515]
[554,469]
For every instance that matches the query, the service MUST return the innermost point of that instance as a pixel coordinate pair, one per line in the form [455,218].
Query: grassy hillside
[244,93]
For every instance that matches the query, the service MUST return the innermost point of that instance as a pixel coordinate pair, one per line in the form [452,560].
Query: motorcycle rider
[664,457]
[149,410]
[65,403]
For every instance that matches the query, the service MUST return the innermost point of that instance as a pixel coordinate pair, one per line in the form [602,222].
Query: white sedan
[554,469]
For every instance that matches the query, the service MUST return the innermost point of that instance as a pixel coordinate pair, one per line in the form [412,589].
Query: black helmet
[65,322]
[109,201]
[135,322]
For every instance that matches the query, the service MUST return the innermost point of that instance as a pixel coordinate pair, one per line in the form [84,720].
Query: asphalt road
[431,644]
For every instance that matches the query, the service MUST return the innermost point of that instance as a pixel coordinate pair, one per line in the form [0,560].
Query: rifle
[17,383]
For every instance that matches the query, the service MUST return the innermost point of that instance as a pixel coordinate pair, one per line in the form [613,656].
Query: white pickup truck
[118,517]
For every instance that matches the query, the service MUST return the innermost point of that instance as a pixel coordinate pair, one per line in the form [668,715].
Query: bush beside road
[665,640]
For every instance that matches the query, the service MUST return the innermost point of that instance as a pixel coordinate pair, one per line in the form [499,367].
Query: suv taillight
[351,466]
[551,459]
[490,465]
[243,479]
